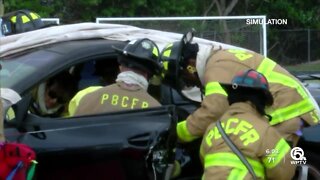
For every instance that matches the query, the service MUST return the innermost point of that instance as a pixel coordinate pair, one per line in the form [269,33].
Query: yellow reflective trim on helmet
[274,158]
[279,115]
[24,19]
[166,53]
[183,132]
[155,51]
[165,65]
[214,88]
[13,19]
[34,15]
[231,160]
[167,50]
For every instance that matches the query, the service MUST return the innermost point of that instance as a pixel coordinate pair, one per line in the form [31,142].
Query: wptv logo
[297,154]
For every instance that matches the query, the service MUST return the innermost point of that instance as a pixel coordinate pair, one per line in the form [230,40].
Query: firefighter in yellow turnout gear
[139,61]
[247,126]
[207,68]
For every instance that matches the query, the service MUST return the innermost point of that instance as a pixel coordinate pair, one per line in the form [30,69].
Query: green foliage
[300,14]
[313,66]
[87,10]
[33,5]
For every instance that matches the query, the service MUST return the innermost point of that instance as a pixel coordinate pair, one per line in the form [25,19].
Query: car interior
[97,72]
[102,72]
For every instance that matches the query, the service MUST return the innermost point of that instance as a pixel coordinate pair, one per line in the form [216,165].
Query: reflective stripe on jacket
[74,102]
[294,109]
[239,170]
[264,148]
[290,99]
[115,97]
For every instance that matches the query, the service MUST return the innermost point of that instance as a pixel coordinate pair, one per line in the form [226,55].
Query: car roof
[53,48]
[79,31]
[68,48]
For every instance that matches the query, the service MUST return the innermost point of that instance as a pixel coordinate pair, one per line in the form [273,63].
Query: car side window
[52,96]
[97,72]
[87,77]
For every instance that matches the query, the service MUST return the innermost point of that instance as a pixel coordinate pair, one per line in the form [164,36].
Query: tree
[300,14]
[70,11]
[224,9]
[1,8]
[288,47]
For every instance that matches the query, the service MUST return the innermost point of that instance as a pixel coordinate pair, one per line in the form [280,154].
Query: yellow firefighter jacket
[291,101]
[264,148]
[115,97]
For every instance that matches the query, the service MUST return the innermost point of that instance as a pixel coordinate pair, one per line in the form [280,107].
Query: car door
[106,145]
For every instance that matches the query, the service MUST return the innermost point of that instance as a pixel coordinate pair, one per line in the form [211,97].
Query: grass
[306,67]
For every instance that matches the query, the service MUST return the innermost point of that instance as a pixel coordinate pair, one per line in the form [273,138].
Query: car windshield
[14,71]
[22,68]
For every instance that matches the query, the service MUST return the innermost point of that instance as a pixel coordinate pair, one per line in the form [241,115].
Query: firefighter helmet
[20,21]
[170,59]
[179,73]
[255,80]
[175,55]
[174,58]
[142,54]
